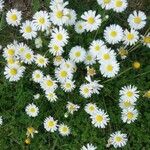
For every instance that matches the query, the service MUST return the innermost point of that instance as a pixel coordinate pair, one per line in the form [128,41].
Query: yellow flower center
[118,3]
[118,139]
[68,85]
[89,58]
[49,83]
[58,58]
[56,48]
[127,104]
[41,60]
[113,33]
[22,49]
[130,115]
[10,61]
[27,141]
[14,17]
[59,37]
[11,52]
[63,74]
[106,56]
[97,47]
[51,124]
[130,36]
[129,94]
[32,110]
[137,20]
[99,118]
[106,1]
[91,108]
[30,130]
[64,129]
[42,20]
[28,29]
[72,107]
[13,71]
[136,65]
[59,14]
[147,39]
[37,75]
[80,27]
[78,54]
[91,20]
[86,90]
[28,56]
[109,68]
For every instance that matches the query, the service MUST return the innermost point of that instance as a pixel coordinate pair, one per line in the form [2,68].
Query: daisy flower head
[125,104]
[30,132]
[41,20]
[51,96]
[90,108]
[72,107]
[129,115]
[89,147]
[89,58]
[59,15]
[68,86]
[79,27]
[58,60]
[64,130]
[32,110]
[72,16]
[129,92]
[27,56]
[118,139]
[37,76]
[55,3]
[109,69]
[1,120]
[106,4]
[91,20]
[1,5]
[146,40]
[50,124]
[86,90]
[137,20]
[96,47]
[41,61]
[21,48]
[13,17]
[99,118]
[60,36]
[113,34]
[119,5]
[48,84]
[28,30]
[14,72]
[130,37]
[77,54]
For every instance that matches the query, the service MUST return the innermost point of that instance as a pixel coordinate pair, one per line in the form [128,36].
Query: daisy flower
[119,5]
[55,48]
[90,108]
[1,120]
[86,90]
[129,92]
[48,84]
[77,54]
[92,21]
[41,20]
[64,130]
[146,40]
[125,104]
[68,85]
[113,34]
[72,16]
[27,56]
[60,36]
[51,96]
[72,107]
[105,4]
[129,115]
[14,72]
[118,139]
[37,76]
[89,58]
[137,20]
[21,48]
[58,60]
[130,37]
[28,30]
[32,110]
[89,147]
[109,69]
[41,61]
[99,118]
[96,47]
[1,5]
[79,27]
[31,131]
[69,65]
[50,124]
[13,17]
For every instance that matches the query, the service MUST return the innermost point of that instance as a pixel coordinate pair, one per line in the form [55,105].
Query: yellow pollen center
[13,71]
[65,129]
[28,29]
[90,20]
[11,52]
[32,110]
[68,85]
[41,61]
[118,139]
[56,48]
[80,27]
[113,33]
[49,83]
[86,90]
[137,20]
[78,54]
[147,39]
[59,14]
[129,94]
[89,58]
[118,3]
[91,108]
[130,36]
[97,47]
[130,115]
[51,124]
[37,76]
[28,56]
[42,20]
[106,56]
[99,118]
[109,68]
[14,17]
[63,74]
[59,37]
[127,104]
[106,1]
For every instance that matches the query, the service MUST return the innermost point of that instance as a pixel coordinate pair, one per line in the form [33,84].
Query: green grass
[15,96]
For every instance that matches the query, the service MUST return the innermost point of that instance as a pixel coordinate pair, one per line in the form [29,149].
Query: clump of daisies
[128,97]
